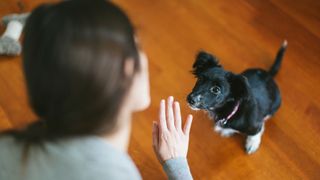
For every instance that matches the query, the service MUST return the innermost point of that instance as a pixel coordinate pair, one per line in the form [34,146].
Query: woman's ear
[128,67]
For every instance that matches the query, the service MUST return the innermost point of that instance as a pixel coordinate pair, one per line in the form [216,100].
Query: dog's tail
[277,63]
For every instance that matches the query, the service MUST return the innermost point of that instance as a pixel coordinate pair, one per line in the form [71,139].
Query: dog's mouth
[200,106]
[195,107]
[198,103]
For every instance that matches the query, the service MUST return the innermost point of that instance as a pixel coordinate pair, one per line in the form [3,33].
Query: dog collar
[225,120]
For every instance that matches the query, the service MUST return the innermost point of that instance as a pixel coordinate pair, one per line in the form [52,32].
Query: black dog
[237,102]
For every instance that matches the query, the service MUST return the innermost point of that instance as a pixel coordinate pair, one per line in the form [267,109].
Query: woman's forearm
[177,169]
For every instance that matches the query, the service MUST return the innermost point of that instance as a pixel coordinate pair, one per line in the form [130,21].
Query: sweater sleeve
[177,169]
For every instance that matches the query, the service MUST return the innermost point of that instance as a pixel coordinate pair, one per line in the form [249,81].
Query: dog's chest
[225,132]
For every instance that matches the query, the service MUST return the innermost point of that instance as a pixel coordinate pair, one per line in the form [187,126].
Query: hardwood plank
[241,34]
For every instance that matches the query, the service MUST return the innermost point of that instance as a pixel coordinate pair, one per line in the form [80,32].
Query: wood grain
[242,34]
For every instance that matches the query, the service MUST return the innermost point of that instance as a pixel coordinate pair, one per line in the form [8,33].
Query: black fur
[220,90]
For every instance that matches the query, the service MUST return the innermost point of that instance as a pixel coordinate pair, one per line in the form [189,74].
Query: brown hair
[73,58]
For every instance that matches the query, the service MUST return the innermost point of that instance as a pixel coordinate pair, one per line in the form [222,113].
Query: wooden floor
[242,34]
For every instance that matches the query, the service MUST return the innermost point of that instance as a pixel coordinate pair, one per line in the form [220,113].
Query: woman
[85,76]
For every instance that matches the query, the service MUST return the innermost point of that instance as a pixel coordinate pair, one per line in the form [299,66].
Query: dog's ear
[203,62]
[239,86]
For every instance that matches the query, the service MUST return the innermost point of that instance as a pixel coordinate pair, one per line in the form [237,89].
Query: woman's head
[82,65]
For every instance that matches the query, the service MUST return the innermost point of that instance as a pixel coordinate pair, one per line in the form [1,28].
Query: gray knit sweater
[89,158]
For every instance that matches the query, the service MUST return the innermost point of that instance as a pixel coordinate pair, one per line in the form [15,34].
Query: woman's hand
[169,139]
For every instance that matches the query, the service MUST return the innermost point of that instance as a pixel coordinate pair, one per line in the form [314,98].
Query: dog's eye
[215,90]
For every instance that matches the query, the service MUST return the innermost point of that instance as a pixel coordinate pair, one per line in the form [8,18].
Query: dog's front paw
[252,144]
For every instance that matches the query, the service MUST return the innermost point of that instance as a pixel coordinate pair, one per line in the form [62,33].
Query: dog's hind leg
[253,142]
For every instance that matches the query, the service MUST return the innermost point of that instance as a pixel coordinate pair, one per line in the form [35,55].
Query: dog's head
[214,87]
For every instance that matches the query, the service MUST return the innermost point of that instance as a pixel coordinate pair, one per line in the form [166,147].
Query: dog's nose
[190,99]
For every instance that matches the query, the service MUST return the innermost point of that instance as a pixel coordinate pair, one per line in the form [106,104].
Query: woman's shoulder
[88,149]
[76,158]
[95,156]
[9,156]
[8,146]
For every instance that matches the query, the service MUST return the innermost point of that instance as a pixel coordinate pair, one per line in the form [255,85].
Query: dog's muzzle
[194,101]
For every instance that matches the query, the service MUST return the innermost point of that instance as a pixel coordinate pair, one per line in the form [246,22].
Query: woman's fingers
[170,115]
[162,116]
[155,135]
[187,126]
[177,116]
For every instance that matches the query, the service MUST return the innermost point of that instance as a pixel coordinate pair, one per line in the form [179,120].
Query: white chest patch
[225,132]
